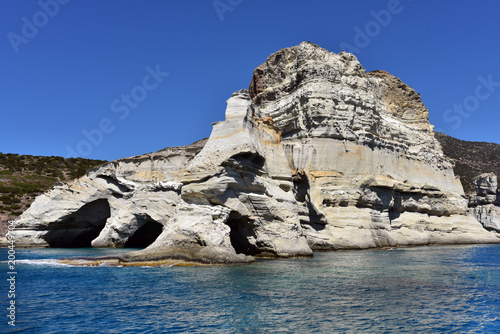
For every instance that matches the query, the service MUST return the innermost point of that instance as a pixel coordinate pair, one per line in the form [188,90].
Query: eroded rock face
[113,200]
[486,189]
[368,168]
[485,206]
[318,154]
[221,200]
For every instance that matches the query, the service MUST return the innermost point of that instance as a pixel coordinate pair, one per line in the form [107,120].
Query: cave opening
[308,215]
[79,228]
[145,235]
[242,233]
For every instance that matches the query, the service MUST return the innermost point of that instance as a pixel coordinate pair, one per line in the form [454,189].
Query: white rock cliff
[317,155]
[485,205]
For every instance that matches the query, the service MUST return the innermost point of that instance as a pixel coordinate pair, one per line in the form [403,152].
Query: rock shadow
[79,228]
[301,189]
[242,233]
[145,235]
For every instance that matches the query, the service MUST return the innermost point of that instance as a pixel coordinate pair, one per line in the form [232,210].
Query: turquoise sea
[439,289]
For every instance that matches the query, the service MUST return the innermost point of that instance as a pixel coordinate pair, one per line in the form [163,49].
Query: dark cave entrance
[302,188]
[242,232]
[79,228]
[145,235]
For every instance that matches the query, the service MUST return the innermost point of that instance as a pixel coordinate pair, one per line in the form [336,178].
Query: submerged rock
[317,154]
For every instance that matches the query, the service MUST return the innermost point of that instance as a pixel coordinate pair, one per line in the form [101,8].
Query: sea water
[439,289]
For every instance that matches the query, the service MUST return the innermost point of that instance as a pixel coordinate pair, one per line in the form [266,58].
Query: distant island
[317,154]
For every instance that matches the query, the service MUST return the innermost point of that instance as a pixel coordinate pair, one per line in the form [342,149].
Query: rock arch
[146,234]
[79,228]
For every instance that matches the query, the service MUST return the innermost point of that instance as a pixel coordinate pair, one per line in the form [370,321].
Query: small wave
[45,262]
[171,265]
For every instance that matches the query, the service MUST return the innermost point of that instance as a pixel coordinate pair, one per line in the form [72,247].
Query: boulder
[485,205]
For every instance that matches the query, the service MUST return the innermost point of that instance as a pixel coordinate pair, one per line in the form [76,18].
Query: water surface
[439,289]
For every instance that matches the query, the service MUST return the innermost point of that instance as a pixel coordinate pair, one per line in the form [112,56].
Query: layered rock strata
[485,205]
[316,155]
[369,171]
[109,204]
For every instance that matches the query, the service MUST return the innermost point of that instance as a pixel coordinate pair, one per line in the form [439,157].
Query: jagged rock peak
[288,67]
[312,93]
[291,68]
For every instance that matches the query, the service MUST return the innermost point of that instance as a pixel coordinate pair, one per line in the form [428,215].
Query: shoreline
[122,261]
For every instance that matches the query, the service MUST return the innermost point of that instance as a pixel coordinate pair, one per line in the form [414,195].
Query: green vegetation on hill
[471,158]
[23,177]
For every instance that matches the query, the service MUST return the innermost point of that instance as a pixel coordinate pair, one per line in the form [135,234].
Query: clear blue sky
[86,65]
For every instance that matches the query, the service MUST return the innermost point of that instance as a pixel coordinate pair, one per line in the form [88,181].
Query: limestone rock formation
[95,207]
[485,206]
[316,155]
[369,170]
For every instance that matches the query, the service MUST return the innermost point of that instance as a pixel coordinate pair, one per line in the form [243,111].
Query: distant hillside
[23,177]
[471,158]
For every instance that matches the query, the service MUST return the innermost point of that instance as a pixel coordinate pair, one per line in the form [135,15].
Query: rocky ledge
[316,155]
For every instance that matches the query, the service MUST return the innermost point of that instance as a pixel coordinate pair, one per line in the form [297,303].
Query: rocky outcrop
[485,205]
[316,155]
[369,171]
[111,202]
[217,201]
